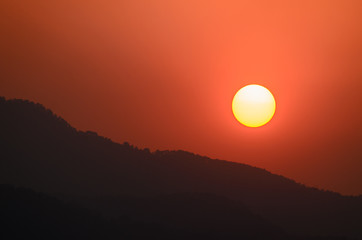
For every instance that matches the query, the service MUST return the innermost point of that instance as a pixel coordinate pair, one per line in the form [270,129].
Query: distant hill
[41,151]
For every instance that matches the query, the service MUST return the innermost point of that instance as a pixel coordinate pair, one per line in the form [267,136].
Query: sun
[253,105]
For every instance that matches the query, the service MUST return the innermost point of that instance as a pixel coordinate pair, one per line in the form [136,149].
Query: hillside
[41,151]
[30,214]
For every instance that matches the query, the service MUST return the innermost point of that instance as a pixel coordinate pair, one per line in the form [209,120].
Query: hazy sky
[162,74]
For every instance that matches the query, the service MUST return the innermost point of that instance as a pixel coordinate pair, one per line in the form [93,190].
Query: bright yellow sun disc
[253,105]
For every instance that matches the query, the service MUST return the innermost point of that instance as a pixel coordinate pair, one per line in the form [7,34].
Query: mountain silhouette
[29,214]
[26,214]
[41,151]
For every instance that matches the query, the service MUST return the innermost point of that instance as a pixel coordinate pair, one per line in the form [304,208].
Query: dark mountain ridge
[41,151]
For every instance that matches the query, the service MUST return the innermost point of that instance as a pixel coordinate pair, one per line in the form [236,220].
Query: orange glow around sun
[253,105]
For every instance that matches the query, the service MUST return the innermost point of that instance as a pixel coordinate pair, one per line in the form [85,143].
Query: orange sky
[162,74]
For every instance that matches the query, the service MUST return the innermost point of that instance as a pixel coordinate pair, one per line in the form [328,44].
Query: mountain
[30,214]
[41,151]
[26,214]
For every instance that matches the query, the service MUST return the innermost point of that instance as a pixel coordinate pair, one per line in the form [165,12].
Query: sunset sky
[162,74]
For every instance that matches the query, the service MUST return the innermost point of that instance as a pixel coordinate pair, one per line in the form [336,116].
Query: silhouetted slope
[26,214]
[200,214]
[43,152]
